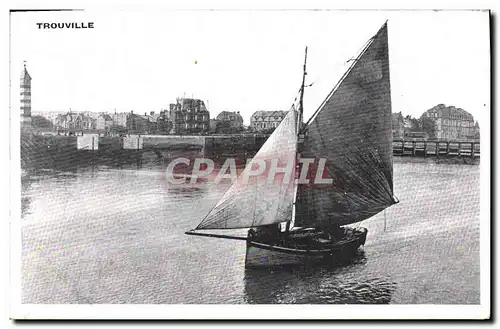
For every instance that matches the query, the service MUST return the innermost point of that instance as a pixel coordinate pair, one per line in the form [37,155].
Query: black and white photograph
[249,164]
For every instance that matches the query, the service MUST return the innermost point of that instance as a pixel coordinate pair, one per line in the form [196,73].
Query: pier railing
[437,148]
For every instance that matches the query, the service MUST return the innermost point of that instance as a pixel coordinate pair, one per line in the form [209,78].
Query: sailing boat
[295,218]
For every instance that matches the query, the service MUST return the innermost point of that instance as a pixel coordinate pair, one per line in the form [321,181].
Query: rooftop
[106,117]
[269,113]
[448,111]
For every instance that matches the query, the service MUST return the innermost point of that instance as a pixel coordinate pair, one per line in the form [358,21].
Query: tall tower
[25,96]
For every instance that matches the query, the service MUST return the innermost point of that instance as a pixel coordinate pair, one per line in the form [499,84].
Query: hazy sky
[245,60]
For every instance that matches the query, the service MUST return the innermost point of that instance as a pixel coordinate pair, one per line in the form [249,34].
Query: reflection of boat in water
[317,285]
[348,140]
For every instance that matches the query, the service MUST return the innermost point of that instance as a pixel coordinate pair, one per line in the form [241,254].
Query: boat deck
[309,240]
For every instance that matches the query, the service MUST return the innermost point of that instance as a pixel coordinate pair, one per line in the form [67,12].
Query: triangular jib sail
[352,131]
[264,198]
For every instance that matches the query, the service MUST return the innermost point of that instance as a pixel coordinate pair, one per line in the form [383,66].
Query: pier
[49,151]
[426,148]
[94,142]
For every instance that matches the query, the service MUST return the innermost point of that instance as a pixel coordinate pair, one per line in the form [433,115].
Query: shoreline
[455,160]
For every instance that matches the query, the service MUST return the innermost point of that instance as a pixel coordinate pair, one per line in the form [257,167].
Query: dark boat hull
[261,254]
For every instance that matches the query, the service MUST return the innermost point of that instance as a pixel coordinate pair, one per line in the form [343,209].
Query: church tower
[25,96]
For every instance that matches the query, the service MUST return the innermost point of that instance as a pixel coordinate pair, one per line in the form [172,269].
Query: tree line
[423,124]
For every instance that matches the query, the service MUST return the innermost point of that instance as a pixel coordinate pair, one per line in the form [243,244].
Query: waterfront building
[91,114]
[163,123]
[141,124]
[452,123]
[154,115]
[104,121]
[234,119]
[189,115]
[477,134]
[120,119]
[213,125]
[25,93]
[73,121]
[263,120]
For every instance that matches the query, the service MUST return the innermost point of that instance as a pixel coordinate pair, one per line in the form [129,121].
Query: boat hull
[271,255]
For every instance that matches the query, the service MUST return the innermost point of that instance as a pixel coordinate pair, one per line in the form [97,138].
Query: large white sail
[256,200]
[352,131]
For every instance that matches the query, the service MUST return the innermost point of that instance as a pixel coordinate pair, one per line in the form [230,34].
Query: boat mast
[299,127]
[301,102]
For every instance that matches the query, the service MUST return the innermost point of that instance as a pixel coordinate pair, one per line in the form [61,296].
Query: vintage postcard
[250,164]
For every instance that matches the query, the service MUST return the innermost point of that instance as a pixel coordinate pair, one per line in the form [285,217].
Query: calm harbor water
[108,235]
